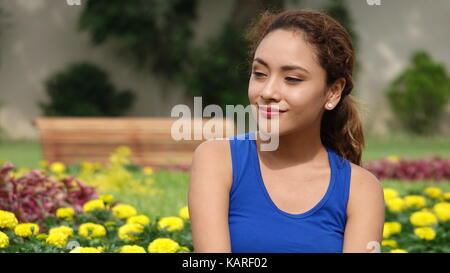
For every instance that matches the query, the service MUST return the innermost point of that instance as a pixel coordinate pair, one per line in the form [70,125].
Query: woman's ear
[334,93]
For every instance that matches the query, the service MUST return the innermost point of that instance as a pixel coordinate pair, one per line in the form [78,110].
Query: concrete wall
[40,38]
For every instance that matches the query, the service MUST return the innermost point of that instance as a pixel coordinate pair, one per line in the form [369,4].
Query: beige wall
[41,38]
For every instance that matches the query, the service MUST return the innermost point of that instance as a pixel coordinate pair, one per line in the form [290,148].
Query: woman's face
[286,75]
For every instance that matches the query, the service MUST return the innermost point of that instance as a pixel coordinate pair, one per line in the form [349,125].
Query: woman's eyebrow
[284,67]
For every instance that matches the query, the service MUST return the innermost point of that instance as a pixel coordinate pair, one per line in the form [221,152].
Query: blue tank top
[257,225]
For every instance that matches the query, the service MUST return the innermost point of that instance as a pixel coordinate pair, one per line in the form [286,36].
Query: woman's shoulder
[214,158]
[364,187]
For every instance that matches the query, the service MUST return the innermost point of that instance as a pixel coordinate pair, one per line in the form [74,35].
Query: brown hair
[341,128]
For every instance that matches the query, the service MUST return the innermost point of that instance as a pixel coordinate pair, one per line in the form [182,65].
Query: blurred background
[130,59]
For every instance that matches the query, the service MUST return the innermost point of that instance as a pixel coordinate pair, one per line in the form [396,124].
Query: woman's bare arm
[365,213]
[208,196]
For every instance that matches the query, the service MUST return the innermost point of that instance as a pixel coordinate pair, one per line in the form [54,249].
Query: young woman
[310,194]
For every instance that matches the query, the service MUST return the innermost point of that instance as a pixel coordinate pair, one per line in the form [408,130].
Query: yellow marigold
[86,250]
[58,167]
[442,210]
[389,193]
[390,243]
[130,232]
[433,192]
[42,236]
[58,239]
[109,223]
[425,233]
[172,223]
[391,228]
[163,245]
[123,211]
[446,196]
[393,158]
[93,205]
[395,204]
[398,251]
[423,218]
[91,230]
[65,213]
[8,219]
[4,240]
[415,201]
[139,219]
[148,170]
[62,229]
[184,213]
[44,164]
[26,229]
[132,249]
[107,198]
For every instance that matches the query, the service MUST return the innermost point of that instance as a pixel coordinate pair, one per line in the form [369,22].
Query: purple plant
[34,196]
[430,168]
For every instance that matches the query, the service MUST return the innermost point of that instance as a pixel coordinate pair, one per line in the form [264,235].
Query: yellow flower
[395,204]
[65,213]
[91,230]
[44,164]
[446,196]
[139,219]
[62,229]
[172,223]
[132,249]
[184,213]
[393,158]
[107,198]
[86,250]
[391,243]
[26,229]
[93,205]
[433,192]
[425,233]
[415,201]
[148,171]
[163,245]
[42,236]
[423,218]
[4,240]
[8,219]
[58,239]
[110,223]
[58,167]
[123,211]
[391,228]
[130,231]
[442,210]
[389,193]
[398,251]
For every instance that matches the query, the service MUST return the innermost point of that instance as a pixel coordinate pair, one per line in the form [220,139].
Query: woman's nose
[270,91]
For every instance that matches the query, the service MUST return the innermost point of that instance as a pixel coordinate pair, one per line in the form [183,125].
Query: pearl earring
[329,105]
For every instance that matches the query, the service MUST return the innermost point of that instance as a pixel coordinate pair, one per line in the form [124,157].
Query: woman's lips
[270,112]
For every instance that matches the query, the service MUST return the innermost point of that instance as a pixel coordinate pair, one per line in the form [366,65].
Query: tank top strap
[241,157]
[339,199]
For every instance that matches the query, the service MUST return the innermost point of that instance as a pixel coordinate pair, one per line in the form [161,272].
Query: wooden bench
[71,140]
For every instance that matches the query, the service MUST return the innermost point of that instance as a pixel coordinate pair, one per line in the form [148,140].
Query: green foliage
[218,72]
[84,89]
[155,34]
[419,95]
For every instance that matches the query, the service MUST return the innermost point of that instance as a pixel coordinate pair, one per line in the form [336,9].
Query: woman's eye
[258,74]
[290,79]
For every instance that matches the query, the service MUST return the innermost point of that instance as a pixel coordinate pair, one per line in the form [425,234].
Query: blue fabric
[256,225]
